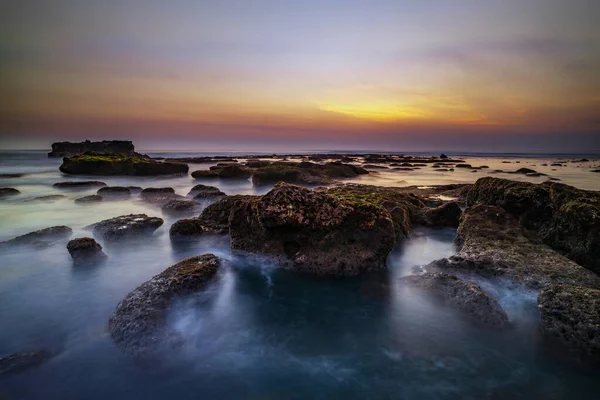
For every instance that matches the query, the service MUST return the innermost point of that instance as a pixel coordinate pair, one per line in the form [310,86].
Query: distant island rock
[66,149]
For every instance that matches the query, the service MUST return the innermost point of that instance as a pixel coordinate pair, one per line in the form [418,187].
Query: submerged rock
[563,217]
[465,297]
[8,192]
[41,238]
[78,184]
[126,226]
[571,315]
[313,232]
[491,243]
[46,199]
[19,362]
[88,199]
[85,248]
[138,323]
[91,163]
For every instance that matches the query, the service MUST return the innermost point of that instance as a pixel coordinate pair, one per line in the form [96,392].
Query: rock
[204,192]
[78,184]
[596,170]
[11,176]
[204,174]
[556,165]
[233,172]
[524,171]
[46,199]
[19,362]
[258,164]
[125,226]
[447,214]
[159,196]
[138,323]
[41,238]
[443,156]
[85,249]
[374,166]
[91,163]
[491,243]
[178,206]
[571,315]
[63,149]
[88,199]
[114,192]
[563,217]
[463,166]
[312,232]
[135,189]
[8,192]
[202,160]
[535,175]
[467,298]
[305,173]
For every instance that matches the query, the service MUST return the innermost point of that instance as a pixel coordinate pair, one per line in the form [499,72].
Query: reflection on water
[258,332]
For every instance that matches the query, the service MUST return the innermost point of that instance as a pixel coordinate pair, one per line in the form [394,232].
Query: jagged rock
[85,248]
[138,323]
[491,243]
[8,192]
[88,199]
[465,297]
[563,217]
[19,362]
[443,156]
[41,238]
[571,315]
[91,163]
[78,184]
[178,206]
[114,192]
[524,171]
[447,214]
[63,149]
[46,199]
[313,232]
[125,226]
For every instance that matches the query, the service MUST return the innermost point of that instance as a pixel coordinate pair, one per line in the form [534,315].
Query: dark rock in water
[204,192]
[88,199]
[596,170]
[8,192]
[313,232]
[10,176]
[563,217]
[91,163]
[79,184]
[233,172]
[126,226]
[374,166]
[19,362]
[178,206]
[258,164]
[202,160]
[114,192]
[463,166]
[204,174]
[135,189]
[443,156]
[535,174]
[41,238]
[63,149]
[85,248]
[305,173]
[46,199]
[447,214]
[468,298]
[159,196]
[524,171]
[213,220]
[556,165]
[491,243]
[138,323]
[571,315]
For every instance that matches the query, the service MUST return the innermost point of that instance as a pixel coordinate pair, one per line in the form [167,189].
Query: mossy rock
[91,163]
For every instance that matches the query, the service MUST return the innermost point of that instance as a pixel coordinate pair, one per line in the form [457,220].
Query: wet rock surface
[305,173]
[126,226]
[91,163]
[178,206]
[62,149]
[41,238]
[159,196]
[78,184]
[466,297]
[18,362]
[114,192]
[447,214]
[138,323]
[203,192]
[85,249]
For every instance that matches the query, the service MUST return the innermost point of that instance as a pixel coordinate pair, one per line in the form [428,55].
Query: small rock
[443,156]
[78,184]
[19,362]
[88,199]
[126,226]
[114,192]
[7,192]
[178,206]
[85,249]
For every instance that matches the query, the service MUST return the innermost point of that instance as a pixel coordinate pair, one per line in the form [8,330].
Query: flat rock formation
[565,218]
[92,163]
[50,198]
[114,192]
[138,323]
[66,149]
[89,199]
[40,238]
[305,173]
[79,185]
[467,298]
[125,226]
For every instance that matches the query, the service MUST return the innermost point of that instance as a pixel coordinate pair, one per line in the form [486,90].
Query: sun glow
[377,112]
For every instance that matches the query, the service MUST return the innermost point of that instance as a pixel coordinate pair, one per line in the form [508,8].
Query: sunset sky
[313,74]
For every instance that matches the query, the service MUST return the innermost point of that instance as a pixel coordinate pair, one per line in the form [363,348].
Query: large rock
[305,173]
[563,217]
[79,184]
[8,192]
[138,323]
[571,315]
[468,298]
[85,249]
[126,226]
[64,149]
[491,243]
[313,232]
[41,238]
[448,214]
[91,163]
[19,362]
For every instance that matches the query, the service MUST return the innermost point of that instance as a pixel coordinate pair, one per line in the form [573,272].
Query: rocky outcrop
[125,226]
[85,249]
[79,185]
[305,173]
[571,315]
[312,232]
[8,192]
[65,149]
[138,323]
[91,163]
[41,238]
[563,217]
[88,199]
[18,362]
[448,214]
[467,298]
[491,243]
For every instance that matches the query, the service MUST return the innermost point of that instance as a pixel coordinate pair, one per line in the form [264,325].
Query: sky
[462,75]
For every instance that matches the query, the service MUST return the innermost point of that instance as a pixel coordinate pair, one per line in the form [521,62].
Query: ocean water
[260,332]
